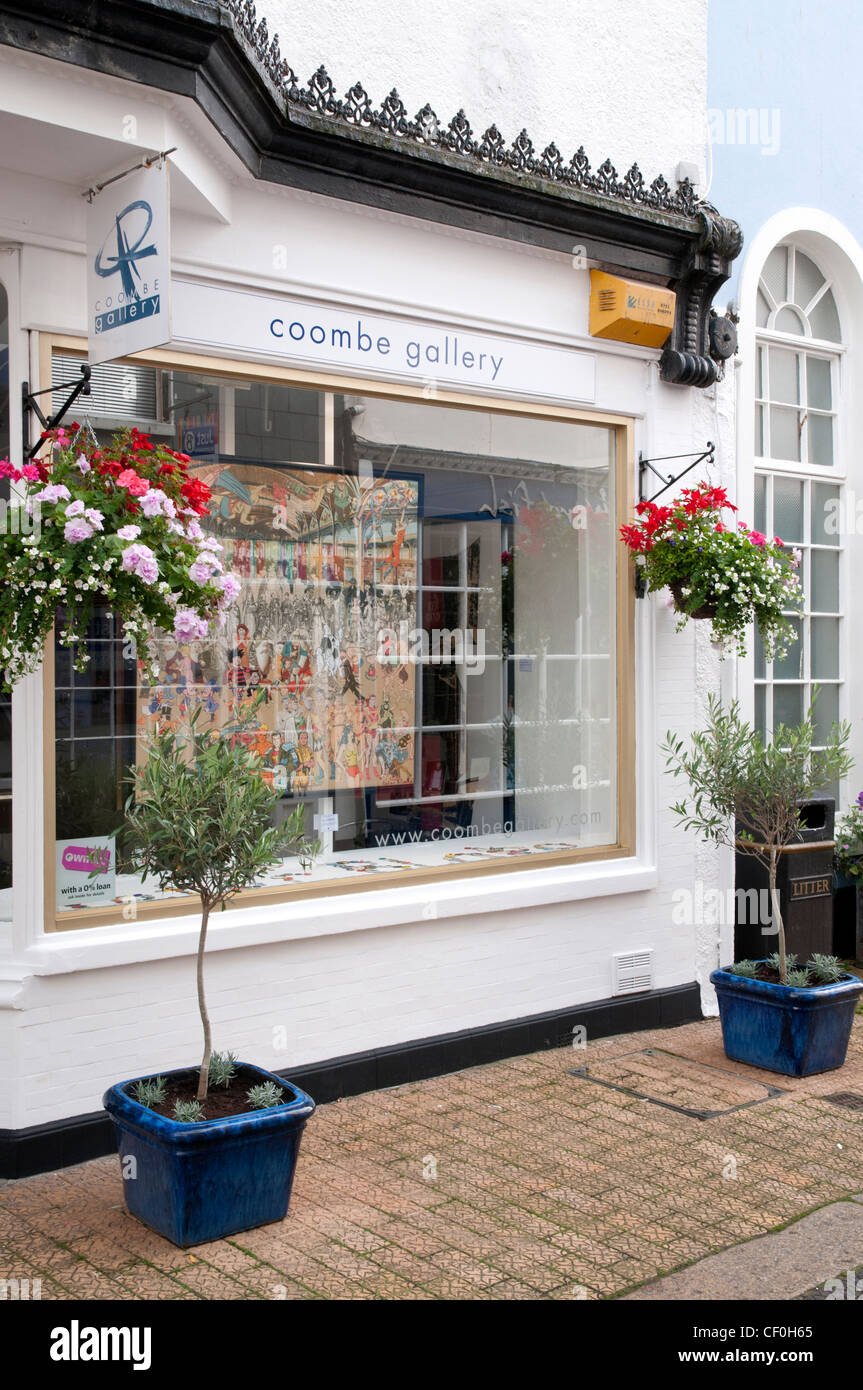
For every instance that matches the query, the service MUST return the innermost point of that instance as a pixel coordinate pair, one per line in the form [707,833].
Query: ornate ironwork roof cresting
[689,358]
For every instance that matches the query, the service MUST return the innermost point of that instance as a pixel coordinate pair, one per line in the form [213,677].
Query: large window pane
[826,712]
[428,604]
[788,509]
[825,648]
[825,514]
[784,433]
[824,572]
[784,376]
[787,704]
[790,667]
[821,440]
[819,392]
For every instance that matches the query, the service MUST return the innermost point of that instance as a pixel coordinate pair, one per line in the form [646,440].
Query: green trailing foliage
[746,794]
[797,977]
[820,969]
[265,1096]
[223,1068]
[825,970]
[188,1112]
[150,1092]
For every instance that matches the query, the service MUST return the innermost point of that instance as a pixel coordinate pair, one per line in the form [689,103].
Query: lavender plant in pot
[776,1013]
[207,1150]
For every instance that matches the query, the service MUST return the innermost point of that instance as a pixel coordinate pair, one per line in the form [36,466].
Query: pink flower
[188,626]
[193,529]
[30,472]
[130,480]
[54,492]
[152,502]
[75,508]
[203,569]
[94,516]
[140,560]
[230,587]
[129,533]
[82,464]
[757,538]
[77,530]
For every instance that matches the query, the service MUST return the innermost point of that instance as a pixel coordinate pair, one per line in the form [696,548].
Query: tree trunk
[204,1076]
[777,917]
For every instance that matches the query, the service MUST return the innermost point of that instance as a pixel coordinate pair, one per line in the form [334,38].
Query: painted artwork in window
[328,565]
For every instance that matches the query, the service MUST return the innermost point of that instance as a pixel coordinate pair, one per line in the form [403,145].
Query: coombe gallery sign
[288,330]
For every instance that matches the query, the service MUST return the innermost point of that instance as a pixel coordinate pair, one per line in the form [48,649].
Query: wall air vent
[633,972]
[120,390]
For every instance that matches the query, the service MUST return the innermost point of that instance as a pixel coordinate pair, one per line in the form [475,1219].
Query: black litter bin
[805,884]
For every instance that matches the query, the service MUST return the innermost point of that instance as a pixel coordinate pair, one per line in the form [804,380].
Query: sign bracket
[30,402]
[708,456]
[90,193]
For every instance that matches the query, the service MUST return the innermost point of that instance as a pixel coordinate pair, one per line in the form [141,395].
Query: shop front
[419,458]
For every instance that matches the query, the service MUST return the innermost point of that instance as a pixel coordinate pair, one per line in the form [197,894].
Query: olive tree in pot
[747,794]
[209,1150]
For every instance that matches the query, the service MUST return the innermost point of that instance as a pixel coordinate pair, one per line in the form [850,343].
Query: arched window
[798,471]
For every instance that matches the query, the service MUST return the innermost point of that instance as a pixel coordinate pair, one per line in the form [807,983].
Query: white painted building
[557,908]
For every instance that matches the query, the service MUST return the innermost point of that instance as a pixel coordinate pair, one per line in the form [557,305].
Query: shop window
[429,606]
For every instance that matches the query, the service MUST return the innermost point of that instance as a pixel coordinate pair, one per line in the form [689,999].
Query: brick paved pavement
[510,1181]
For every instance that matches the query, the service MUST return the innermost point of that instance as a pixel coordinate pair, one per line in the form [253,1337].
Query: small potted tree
[776,1013]
[209,1150]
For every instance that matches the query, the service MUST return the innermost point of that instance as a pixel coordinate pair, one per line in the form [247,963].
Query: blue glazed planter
[199,1182]
[781,1028]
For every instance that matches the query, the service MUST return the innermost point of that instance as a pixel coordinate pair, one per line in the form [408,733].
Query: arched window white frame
[798,479]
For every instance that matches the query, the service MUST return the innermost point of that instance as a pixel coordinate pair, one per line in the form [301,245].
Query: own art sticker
[77,860]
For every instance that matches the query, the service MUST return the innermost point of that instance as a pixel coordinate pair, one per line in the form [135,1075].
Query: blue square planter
[781,1028]
[201,1181]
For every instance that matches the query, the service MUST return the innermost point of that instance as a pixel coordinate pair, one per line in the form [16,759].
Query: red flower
[197,494]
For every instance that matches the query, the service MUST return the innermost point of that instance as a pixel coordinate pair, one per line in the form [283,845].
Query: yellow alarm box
[628,311]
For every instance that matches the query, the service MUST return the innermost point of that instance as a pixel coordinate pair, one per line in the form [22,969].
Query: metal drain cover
[850,1099]
[676,1083]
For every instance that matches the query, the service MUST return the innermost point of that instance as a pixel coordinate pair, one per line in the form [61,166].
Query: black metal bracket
[30,402]
[707,456]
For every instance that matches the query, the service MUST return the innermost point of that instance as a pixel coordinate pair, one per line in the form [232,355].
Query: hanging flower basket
[731,575]
[704,610]
[115,527]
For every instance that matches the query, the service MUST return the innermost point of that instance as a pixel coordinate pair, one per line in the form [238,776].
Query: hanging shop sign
[129,263]
[291,331]
[630,312]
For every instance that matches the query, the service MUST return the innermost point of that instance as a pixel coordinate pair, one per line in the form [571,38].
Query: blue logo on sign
[123,261]
[120,253]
